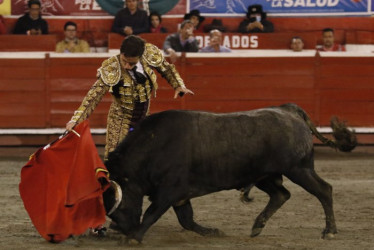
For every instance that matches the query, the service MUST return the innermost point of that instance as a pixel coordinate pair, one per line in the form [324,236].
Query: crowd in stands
[131,20]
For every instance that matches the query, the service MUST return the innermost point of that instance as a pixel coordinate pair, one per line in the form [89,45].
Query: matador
[130,78]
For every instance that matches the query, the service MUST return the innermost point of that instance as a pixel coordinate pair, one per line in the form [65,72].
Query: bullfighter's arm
[108,75]
[90,101]
[156,59]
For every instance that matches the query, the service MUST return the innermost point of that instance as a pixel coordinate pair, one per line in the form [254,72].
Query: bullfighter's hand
[70,125]
[181,91]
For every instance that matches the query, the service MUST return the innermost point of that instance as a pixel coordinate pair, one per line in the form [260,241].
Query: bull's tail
[345,139]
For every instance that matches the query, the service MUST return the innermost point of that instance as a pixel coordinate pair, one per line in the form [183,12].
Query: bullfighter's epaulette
[153,55]
[110,71]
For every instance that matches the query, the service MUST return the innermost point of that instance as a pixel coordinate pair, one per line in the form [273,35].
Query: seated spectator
[196,19]
[155,23]
[31,23]
[131,20]
[215,40]
[328,41]
[71,43]
[2,26]
[297,44]
[216,24]
[181,41]
[256,21]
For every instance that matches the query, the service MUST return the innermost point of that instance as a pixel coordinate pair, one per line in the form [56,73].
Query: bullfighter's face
[128,62]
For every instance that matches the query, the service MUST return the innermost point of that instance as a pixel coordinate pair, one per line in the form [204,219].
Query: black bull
[174,156]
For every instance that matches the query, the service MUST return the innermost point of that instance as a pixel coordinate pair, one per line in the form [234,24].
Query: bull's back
[212,138]
[228,148]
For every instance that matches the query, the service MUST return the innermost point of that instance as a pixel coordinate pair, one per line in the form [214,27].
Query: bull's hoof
[133,242]
[245,198]
[216,233]
[328,236]
[128,241]
[122,240]
[256,231]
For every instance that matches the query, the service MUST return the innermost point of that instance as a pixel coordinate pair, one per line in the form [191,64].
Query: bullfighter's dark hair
[132,46]
[31,2]
[70,23]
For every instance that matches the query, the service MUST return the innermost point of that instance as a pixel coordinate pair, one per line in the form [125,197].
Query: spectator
[328,41]
[215,40]
[215,25]
[256,21]
[71,43]
[131,20]
[181,41]
[31,23]
[196,19]
[155,23]
[297,44]
[2,26]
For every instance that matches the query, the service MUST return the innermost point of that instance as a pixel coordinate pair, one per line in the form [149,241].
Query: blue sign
[232,7]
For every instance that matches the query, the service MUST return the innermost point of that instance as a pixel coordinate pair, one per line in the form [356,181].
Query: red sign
[56,8]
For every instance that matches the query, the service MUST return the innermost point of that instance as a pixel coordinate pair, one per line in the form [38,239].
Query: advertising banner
[5,7]
[62,8]
[207,7]
[95,7]
[302,7]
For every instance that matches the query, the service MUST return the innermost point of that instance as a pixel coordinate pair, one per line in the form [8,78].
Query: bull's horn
[117,194]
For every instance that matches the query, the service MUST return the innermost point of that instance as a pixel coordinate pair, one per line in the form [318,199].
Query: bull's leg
[161,202]
[185,217]
[278,196]
[244,194]
[311,182]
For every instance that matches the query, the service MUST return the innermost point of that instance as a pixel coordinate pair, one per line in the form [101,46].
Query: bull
[174,156]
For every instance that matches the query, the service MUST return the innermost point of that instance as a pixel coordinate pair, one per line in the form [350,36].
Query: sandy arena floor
[297,225]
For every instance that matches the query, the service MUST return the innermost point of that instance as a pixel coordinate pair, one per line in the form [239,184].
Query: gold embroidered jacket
[109,75]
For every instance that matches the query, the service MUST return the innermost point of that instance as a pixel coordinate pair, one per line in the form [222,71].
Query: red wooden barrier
[44,92]
[28,43]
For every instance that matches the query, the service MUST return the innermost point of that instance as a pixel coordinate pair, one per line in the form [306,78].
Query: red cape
[60,188]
